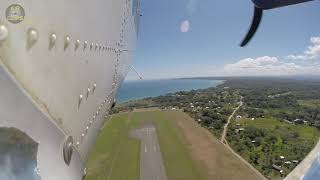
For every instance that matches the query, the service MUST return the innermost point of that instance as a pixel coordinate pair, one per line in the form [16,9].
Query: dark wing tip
[257,16]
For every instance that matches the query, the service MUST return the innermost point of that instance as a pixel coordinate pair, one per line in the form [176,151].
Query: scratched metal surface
[61,51]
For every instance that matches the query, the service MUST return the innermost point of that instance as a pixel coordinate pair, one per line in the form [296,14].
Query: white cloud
[313,51]
[260,66]
[265,65]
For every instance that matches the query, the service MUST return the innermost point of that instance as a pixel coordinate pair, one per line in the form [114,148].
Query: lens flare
[185,26]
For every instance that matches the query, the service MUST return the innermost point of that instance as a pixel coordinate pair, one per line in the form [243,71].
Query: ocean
[133,90]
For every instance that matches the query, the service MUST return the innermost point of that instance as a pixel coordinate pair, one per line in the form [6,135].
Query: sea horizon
[140,89]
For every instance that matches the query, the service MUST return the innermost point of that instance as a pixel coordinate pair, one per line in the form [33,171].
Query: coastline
[138,90]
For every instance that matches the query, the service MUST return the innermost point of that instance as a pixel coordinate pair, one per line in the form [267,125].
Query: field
[309,103]
[277,128]
[115,155]
[264,140]
[189,151]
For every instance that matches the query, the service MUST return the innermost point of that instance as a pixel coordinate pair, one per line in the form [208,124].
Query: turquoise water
[132,90]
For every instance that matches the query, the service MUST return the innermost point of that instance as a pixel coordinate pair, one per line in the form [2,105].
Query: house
[298,121]
[278,168]
[289,122]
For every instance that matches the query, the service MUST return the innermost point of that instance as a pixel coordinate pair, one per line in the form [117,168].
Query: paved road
[151,163]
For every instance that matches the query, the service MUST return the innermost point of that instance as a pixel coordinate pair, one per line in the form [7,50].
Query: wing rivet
[68,150]
[3,32]
[32,37]
[80,100]
[91,46]
[67,42]
[85,44]
[88,92]
[94,87]
[53,39]
[77,44]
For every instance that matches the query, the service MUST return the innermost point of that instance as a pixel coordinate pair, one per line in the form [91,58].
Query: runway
[151,162]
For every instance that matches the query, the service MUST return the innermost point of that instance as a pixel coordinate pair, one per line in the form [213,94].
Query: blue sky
[287,42]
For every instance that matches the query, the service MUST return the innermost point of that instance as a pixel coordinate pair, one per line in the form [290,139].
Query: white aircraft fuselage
[61,64]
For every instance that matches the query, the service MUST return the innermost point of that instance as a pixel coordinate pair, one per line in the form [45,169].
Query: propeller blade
[257,16]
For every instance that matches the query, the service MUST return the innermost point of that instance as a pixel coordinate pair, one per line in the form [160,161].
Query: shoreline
[219,83]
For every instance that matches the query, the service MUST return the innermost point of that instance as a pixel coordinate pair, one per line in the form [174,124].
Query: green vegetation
[114,149]
[286,113]
[309,103]
[116,155]
[264,140]
[210,107]
[176,157]
[286,122]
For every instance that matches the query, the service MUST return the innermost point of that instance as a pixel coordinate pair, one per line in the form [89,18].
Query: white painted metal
[48,57]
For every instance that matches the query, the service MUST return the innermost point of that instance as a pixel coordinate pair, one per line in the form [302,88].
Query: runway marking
[155,148]
[145,149]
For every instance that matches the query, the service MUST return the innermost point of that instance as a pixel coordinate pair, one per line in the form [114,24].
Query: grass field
[310,103]
[189,151]
[278,127]
[264,140]
[116,155]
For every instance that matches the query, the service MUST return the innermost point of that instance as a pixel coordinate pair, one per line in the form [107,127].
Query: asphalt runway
[151,162]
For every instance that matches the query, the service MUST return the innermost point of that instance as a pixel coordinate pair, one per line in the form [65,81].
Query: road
[225,142]
[151,162]
[225,129]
